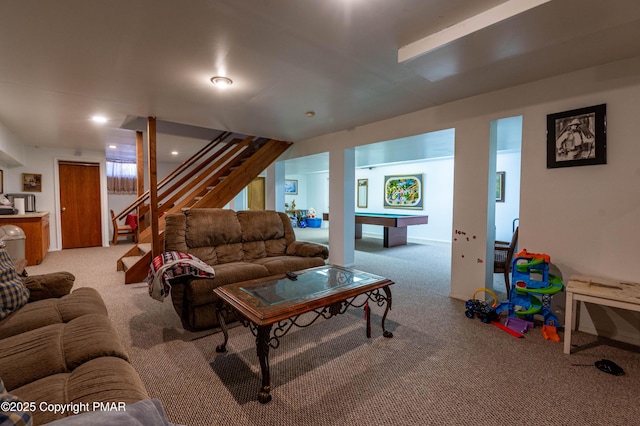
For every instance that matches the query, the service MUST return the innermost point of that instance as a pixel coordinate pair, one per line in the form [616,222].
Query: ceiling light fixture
[221,82]
[174,152]
[99,119]
[310,114]
[112,146]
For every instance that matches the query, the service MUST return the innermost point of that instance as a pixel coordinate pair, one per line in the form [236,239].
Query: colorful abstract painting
[403,192]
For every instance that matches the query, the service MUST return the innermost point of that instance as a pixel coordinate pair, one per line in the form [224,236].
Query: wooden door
[255,194]
[80,209]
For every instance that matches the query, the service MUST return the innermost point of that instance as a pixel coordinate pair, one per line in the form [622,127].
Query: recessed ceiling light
[221,82]
[310,114]
[99,119]
[112,146]
[174,152]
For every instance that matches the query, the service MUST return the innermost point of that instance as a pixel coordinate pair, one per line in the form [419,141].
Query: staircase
[209,179]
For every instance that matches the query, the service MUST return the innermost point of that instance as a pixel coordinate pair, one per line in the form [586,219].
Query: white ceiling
[63,61]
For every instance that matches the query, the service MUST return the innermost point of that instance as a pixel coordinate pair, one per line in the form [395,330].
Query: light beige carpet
[440,368]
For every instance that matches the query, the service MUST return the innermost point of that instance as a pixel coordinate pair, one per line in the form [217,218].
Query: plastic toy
[481,309]
[532,287]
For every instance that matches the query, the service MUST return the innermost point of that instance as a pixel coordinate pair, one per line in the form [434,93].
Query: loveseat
[58,346]
[240,246]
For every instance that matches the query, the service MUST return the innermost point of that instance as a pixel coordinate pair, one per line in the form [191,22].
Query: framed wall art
[577,137]
[290,187]
[403,192]
[500,187]
[363,189]
[31,182]
[1,181]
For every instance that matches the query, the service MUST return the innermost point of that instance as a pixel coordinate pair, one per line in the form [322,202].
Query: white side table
[601,291]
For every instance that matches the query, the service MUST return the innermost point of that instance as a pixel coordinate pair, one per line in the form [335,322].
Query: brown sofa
[61,348]
[240,246]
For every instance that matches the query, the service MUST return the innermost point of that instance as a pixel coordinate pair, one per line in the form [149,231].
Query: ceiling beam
[478,22]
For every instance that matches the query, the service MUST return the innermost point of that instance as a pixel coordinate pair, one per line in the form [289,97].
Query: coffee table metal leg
[262,348]
[387,291]
[223,326]
[367,316]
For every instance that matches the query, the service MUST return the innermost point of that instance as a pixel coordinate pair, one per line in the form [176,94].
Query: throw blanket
[170,265]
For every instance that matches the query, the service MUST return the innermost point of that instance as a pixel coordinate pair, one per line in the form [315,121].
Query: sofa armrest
[54,285]
[306,249]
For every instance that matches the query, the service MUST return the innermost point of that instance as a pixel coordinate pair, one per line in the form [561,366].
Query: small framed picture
[290,186]
[1,181]
[577,137]
[500,186]
[31,182]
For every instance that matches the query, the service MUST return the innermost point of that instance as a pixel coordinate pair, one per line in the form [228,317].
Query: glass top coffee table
[278,303]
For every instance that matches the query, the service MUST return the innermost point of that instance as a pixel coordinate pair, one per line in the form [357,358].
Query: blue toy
[531,289]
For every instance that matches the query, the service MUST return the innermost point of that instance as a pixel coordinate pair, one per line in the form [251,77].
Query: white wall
[437,183]
[585,218]
[11,149]
[44,161]
[508,210]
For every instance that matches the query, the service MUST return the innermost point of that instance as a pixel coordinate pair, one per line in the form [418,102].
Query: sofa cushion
[13,412]
[281,264]
[104,379]
[263,234]
[57,348]
[81,301]
[13,293]
[204,229]
[55,284]
[200,291]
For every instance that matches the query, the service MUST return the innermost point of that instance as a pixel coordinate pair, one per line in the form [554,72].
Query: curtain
[121,178]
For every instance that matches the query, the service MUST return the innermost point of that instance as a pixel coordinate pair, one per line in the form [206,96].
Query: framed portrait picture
[290,186]
[500,187]
[403,192]
[31,182]
[577,137]
[363,190]
[1,181]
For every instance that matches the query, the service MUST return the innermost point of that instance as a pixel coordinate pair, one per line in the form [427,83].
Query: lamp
[221,82]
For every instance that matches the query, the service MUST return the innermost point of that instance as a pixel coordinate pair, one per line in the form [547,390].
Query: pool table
[395,225]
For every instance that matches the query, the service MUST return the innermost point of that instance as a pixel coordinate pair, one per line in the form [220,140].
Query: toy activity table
[601,291]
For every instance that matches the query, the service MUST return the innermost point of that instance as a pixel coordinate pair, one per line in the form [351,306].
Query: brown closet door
[80,209]
[255,194]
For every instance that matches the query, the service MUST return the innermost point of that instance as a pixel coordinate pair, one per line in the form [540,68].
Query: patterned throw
[170,265]
[15,412]
[13,293]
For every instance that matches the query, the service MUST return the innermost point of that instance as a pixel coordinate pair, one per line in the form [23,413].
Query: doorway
[80,206]
[256,194]
[508,159]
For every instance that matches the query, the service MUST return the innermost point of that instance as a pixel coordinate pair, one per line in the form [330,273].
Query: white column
[274,186]
[469,263]
[342,174]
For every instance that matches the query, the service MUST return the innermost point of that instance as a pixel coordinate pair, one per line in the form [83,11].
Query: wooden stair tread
[129,261]
[144,248]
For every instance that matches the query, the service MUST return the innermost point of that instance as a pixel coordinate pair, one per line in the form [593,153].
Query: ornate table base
[269,335]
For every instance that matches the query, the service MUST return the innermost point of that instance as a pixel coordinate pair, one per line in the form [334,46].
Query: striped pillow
[13,293]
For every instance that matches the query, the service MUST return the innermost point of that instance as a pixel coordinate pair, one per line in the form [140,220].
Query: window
[121,177]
